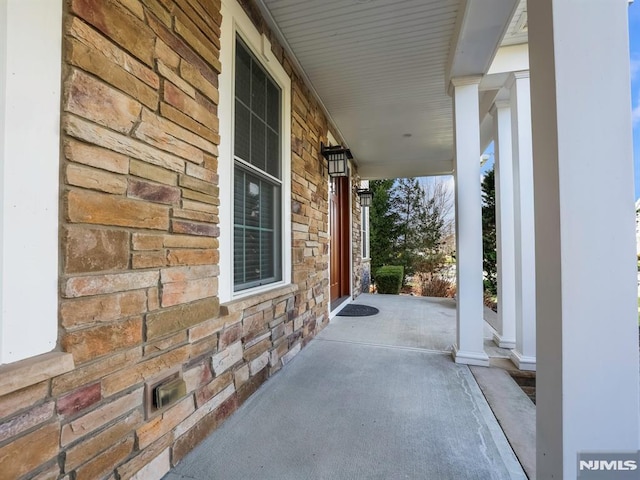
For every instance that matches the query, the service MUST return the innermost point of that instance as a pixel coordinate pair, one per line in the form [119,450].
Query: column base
[470,358]
[504,342]
[523,362]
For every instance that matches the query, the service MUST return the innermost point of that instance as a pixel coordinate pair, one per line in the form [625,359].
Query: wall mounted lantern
[337,158]
[366,196]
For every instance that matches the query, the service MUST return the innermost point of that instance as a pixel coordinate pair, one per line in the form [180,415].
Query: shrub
[430,263]
[491,301]
[389,279]
[436,287]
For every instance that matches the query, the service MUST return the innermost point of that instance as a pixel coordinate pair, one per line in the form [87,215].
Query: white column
[469,348]
[524,354]
[505,337]
[587,382]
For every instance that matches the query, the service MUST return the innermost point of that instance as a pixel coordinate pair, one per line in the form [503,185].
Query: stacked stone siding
[356,236]
[139,250]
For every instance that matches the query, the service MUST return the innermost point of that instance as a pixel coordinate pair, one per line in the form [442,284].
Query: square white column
[505,336]
[469,348]
[586,292]
[524,354]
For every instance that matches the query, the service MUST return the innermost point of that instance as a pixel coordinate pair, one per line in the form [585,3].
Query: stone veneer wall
[356,238]
[139,248]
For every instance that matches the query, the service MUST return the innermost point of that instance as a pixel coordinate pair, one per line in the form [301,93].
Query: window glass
[257,174]
[364,221]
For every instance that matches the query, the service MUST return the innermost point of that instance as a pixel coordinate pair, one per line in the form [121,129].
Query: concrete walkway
[369,398]
[420,322]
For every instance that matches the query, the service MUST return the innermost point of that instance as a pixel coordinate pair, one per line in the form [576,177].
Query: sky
[634,46]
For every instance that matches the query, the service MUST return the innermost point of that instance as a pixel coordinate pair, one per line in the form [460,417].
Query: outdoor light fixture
[337,158]
[366,196]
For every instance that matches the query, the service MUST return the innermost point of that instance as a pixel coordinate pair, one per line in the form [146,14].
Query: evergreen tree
[381,224]
[407,204]
[409,220]
[489,233]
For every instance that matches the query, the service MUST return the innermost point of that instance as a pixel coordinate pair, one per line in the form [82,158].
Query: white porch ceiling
[518,31]
[380,68]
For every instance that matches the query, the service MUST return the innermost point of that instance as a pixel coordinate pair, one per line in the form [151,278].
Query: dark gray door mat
[355,310]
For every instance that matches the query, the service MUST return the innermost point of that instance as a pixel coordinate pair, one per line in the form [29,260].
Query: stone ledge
[243,303]
[21,374]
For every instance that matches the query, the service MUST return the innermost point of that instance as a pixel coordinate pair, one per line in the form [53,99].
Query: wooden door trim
[340,241]
[345,237]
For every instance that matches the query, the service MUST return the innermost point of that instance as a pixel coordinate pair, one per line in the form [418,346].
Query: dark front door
[340,265]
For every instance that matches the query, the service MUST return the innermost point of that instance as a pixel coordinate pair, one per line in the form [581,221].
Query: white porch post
[587,382]
[469,348]
[524,354]
[505,228]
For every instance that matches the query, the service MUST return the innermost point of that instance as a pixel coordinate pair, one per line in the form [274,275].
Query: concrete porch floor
[370,397]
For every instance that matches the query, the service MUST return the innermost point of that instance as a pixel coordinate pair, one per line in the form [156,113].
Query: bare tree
[437,199]
[438,207]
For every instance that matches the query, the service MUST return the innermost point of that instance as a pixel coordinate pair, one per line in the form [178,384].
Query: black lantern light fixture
[337,158]
[366,196]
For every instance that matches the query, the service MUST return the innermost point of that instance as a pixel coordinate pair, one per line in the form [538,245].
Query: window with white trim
[254,162]
[257,188]
[364,222]
[30,89]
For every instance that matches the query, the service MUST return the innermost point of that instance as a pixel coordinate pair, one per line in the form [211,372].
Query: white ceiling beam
[512,58]
[480,27]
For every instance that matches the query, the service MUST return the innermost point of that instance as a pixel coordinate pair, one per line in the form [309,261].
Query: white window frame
[236,22]
[30,88]
[364,233]
[365,227]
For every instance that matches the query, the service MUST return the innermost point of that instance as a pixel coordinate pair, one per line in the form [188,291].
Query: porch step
[515,413]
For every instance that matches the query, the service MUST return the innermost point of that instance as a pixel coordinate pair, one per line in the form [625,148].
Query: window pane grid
[257,184]
[258,110]
[256,218]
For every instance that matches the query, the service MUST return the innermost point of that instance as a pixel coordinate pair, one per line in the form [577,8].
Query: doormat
[356,310]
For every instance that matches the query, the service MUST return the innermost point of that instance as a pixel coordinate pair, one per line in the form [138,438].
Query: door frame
[349,222]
